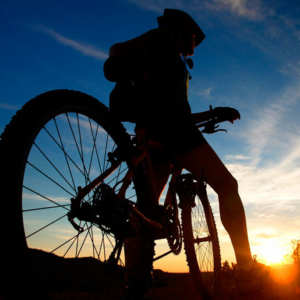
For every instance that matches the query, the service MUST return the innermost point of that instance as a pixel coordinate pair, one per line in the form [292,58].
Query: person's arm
[202,116]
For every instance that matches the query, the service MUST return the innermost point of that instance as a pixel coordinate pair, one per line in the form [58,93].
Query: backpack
[128,92]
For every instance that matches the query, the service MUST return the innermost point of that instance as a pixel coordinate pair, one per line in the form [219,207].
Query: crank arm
[144,219]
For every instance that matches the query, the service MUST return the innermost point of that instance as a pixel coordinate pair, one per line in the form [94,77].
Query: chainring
[174,231]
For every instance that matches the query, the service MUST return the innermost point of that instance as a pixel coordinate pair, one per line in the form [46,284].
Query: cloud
[84,48]
[157,5]
[268,167]
[8,106]
[205,92]
[275,126]
[266,236]
[85,123]
[249,9]
[61,200]
[237,157]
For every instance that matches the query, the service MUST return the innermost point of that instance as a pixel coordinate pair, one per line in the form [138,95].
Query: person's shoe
[253,280]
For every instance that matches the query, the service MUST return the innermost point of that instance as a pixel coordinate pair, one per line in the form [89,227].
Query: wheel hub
[110,213]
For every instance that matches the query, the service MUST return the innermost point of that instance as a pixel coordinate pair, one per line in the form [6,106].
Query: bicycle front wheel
[202,246]
[57,142]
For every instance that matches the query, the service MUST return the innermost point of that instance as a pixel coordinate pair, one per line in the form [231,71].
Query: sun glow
[273,252]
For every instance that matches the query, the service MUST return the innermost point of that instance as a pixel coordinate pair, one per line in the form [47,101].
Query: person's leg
[161,172]
[161,168]
[204,159]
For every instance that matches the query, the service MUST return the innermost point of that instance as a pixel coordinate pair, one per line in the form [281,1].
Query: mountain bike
[80,209]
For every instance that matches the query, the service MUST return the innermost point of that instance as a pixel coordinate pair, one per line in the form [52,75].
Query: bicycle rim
[202,247]
[63,145]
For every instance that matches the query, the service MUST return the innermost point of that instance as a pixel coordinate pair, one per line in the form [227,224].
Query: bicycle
[55,141]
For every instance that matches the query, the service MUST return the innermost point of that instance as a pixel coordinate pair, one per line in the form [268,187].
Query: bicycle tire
[44,274]
[203,258]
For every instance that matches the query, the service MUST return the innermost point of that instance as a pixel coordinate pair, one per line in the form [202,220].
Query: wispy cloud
[237,157]
[204,92]
[275,125]
[84,48]
[157,5]
[8,106]
[249,9]
[39,198]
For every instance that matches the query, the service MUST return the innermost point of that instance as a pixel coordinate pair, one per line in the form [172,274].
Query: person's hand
[227,113]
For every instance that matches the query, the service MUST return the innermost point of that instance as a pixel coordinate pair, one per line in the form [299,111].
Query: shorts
[177,138]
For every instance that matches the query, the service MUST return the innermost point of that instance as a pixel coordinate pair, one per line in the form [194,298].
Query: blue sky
[249,60]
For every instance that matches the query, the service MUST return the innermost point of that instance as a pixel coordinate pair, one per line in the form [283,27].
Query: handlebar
[210,126]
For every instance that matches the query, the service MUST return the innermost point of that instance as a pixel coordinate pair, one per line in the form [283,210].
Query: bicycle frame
[142,145]
[111,222]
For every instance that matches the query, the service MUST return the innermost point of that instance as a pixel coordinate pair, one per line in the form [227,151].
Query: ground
[179,286]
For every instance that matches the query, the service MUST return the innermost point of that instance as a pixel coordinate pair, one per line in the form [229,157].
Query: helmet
[177,19]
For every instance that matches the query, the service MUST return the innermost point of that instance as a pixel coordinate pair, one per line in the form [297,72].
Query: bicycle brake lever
[211,128]
[220,130]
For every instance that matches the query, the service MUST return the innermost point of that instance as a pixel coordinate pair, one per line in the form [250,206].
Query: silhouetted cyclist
[152,83]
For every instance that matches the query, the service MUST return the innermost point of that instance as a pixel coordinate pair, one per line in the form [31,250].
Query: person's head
[189,35]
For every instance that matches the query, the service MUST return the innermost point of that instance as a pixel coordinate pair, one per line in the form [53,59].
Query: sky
[250,60]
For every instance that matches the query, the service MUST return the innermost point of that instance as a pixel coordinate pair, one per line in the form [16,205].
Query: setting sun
[273,252]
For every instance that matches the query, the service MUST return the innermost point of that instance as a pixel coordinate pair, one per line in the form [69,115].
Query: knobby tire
[204,259]
[27,266]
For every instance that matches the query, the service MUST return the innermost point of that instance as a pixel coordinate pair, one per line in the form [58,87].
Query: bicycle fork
[187,186]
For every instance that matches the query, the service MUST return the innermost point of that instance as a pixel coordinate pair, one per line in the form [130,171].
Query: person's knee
[225,185]
[228,195]
[233,184]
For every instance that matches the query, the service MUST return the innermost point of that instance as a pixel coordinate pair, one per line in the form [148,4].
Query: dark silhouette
[152,71]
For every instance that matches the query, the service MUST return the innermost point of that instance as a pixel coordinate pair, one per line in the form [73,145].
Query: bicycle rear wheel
[202,246]
[59,141]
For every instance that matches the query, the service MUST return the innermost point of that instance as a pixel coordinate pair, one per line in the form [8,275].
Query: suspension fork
[171,200]
[187,187]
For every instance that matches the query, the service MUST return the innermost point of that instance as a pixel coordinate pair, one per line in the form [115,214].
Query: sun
[273,252]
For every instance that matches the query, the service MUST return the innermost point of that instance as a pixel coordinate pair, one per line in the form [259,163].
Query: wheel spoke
[72,187]
[66,158]
[104,158]
[49,207]
[94,145]
[45,226]
[81,150]
[117,176]
[69,151]
[64,152]
[50,178]
[57,204]
[202,246]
